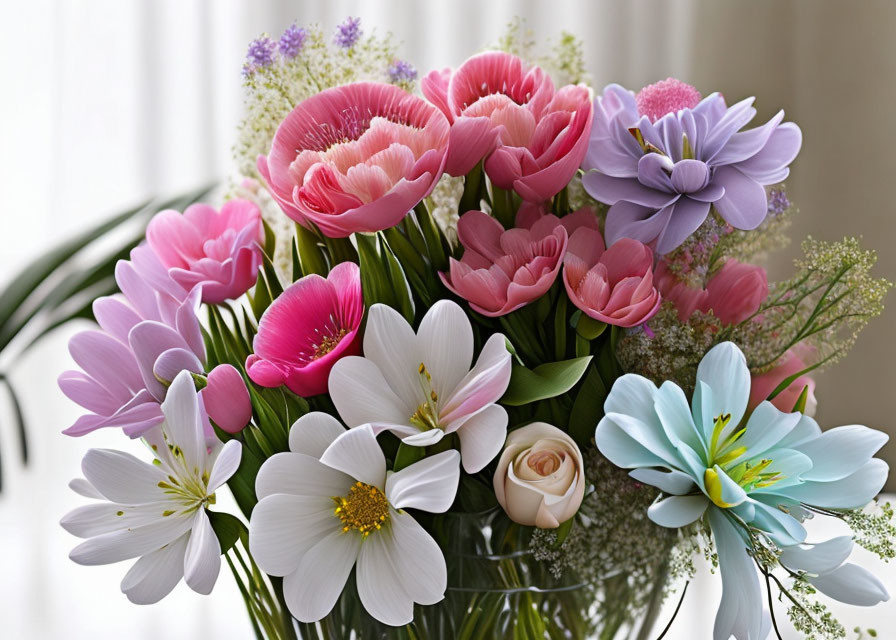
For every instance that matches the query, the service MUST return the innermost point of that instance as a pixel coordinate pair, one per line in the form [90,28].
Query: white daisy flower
[156,511]
[330,504]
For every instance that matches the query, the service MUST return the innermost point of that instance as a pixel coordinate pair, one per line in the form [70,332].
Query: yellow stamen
[714,488]
[365,509]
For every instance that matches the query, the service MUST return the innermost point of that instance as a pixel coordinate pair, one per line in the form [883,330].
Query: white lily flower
[156,511]
[329,504]
[421,387]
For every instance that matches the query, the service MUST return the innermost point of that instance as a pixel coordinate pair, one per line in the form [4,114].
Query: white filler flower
[156,511]
[330,503]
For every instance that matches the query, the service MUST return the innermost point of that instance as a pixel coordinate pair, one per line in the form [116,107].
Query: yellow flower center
[365,508]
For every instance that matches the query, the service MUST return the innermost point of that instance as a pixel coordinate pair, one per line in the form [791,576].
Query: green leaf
[544,381]
[589,328]
[407,455]
[227,527]
[310,254]
[588,408]
[435,239]
[474,495]
[560,327]
[563,531]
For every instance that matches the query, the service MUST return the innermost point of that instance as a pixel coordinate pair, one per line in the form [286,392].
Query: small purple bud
[348,33]
[261,52]
[292,41]
[402,71]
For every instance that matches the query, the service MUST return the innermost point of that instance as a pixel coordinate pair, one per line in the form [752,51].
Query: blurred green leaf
[227,527]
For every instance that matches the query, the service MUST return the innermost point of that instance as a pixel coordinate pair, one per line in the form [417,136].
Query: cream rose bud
[540,480]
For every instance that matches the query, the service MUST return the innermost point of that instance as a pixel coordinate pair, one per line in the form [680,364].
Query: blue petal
[806,429]
[819,558]
[673,482]
[841,451]
[633,395]
[766,427]
[621,449]
[652,438]
[852,584]
[724,372]
[677,511]
[781,527]
[852,492]
[740,611]
[671,407]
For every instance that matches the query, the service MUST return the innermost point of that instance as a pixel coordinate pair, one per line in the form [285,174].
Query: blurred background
[107,102]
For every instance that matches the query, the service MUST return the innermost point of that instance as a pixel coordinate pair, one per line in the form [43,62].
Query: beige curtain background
[108,101]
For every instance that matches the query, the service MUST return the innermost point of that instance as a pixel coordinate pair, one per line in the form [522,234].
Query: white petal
[398,566]
[130,543]
[315,586]
[724,372]
[673,482]
[853,585]
[183,423]
[430,484]
[284,527]
[357,453]
[390,343]
[97,519]
[313,433]
[84,488]
[420,438]
[482,437]
[677,511]
[362,395]
[121,477]
[154,575]
[445,345]
[818,558]
[740,610]
[202,562]
[483,385]
[301,475]
[226,464]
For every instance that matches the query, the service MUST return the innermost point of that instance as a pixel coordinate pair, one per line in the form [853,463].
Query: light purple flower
[292,41]
[149,333]
[348,33]
[402,71]
[261,52]
[662,177]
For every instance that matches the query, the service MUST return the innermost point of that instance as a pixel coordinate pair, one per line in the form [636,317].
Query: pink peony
[500,270]
[356,157]
[218,250]
[533,139]
[733,294]
[612,285]
[314,323]
[763,385]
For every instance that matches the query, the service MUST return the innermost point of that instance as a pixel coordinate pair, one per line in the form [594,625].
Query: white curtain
[106,102]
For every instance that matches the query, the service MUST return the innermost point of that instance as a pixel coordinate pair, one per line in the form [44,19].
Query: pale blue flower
[765,476]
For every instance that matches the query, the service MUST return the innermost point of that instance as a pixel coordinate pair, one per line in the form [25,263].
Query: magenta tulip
[218,250]
[356,158]
[305,331]
[532,138]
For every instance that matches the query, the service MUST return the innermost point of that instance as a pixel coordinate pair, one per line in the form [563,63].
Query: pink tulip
[314,323]
[733,294]
[500,270]
[763,385]
[356,157]
[533,139]
[612,285]
[218,250]
[226,399]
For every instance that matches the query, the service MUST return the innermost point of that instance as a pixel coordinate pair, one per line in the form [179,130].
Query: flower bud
[226,399]
[540,479]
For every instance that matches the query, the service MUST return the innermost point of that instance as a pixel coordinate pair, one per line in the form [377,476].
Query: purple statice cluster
[778,202]
[402,71]
[261,52]
[348,33]
[292,41]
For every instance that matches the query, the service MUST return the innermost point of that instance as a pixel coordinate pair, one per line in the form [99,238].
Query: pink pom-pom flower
[216,249]
[306,330]
[356,158]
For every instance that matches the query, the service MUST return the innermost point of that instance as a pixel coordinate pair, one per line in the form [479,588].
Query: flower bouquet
[488,360]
